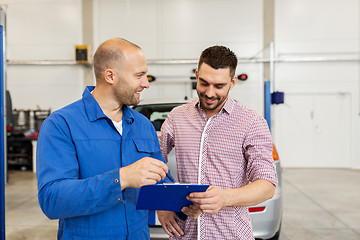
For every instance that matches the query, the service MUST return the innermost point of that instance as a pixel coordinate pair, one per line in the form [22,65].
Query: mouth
[138,93]
[209,101]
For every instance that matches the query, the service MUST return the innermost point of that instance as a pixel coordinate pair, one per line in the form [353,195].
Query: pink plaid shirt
[228,150]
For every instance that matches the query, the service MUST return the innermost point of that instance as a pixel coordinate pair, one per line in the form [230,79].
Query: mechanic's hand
[169,224]
[211,201]
[145,171]
[192,211]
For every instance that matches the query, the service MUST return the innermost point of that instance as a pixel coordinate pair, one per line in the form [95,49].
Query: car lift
[2,126]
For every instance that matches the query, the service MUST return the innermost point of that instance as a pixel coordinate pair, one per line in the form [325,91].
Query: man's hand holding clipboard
[167,196]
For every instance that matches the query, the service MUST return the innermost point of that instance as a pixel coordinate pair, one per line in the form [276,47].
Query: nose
[145,82]
[210,92]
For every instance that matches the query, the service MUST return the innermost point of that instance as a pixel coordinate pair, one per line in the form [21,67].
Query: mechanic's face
[213,86]
[132,78]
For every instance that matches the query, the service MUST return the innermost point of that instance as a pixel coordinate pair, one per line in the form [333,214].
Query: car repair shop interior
[299,67]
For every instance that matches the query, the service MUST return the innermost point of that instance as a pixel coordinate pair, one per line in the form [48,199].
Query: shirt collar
[229,105]
[127,114]
[227,108]
[94,111]
[92,108]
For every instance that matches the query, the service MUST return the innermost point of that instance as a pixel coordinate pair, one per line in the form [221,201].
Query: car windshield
[156,113]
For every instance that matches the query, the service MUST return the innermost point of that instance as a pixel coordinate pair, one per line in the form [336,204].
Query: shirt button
[116,180]
[118,199]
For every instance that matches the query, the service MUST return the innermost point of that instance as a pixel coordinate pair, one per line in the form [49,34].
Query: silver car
[266,217]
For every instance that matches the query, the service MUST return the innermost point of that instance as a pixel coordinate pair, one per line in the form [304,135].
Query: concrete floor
[318,204]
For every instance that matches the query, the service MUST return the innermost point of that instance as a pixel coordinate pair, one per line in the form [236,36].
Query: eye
[202,83]
[139,75]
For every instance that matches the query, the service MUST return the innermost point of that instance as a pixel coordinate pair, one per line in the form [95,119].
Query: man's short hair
[109,55]
[219,57]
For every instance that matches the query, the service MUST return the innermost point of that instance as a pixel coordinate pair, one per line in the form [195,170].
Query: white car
[266,217]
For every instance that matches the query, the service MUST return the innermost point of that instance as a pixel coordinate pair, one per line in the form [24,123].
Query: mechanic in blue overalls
[94,154]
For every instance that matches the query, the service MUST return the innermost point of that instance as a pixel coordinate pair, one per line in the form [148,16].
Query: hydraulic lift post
[2,128]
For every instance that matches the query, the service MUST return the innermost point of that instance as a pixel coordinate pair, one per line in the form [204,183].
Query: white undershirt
[118,126]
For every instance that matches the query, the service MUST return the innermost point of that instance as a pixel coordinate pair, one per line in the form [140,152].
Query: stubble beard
[206,106]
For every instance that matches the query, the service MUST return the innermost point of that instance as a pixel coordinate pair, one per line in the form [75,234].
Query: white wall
[43,30]
[181,29]
[327,29]
[49,29]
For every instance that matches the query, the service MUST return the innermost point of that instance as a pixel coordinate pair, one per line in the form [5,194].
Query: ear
[197,73]
[233,82]
[109,76]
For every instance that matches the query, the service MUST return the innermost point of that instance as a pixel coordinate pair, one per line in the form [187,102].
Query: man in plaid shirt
[221,143]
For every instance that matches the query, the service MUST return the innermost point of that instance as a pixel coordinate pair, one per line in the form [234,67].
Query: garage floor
[318,204]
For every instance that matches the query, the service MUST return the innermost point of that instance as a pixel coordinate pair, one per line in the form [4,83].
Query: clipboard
[167,196]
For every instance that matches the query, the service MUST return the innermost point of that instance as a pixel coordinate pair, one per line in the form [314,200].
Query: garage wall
[43,30]
[49,29]
[321,97]
[181,29]
[319,124]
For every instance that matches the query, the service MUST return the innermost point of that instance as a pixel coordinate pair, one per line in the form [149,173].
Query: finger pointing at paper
[145,171]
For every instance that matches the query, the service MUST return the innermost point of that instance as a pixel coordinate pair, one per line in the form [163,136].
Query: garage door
[313,130]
